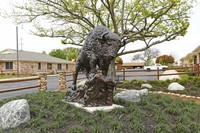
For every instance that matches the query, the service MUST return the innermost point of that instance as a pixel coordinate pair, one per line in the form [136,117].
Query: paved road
[52,82]
[130,75]
[52,85]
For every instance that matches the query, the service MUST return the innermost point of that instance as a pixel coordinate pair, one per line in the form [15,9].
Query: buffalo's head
[113,44]
[109,46]
[104,43]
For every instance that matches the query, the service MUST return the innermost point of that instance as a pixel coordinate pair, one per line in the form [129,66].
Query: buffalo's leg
[75,76]
[105,71]
[93,64]
[87,73]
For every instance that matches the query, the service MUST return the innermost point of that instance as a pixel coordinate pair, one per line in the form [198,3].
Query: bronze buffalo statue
[99,49]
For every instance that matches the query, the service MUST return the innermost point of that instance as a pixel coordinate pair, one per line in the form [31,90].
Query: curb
[175,95]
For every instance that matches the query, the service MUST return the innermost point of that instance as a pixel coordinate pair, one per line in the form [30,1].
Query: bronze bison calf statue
[99,49]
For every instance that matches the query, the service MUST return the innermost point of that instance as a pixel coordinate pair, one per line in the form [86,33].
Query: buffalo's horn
[103,35]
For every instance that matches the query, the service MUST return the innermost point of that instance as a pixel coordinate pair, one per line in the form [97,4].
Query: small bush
[197,83]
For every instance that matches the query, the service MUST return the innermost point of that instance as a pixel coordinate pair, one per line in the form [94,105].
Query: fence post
[124,73]
[62,82]
[158,73]
[42,82]
[198,70]
[193,68]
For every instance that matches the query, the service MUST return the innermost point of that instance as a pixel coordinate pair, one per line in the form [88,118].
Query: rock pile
[134,95]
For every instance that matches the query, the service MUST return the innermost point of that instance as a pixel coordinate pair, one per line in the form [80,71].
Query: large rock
[170,77]
[146,86]
[14,113]
[175,86]
[143,92]
[128,95]
[95,92]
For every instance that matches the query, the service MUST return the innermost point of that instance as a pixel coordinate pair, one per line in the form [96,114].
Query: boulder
[175,86]
[95,92]
[143,92]
[128,95]
[146,86]
[170,77]
[14,113]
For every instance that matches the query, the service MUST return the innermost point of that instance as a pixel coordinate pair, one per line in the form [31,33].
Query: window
[66,66]
[9,65]
[49,65]
[39,65]
[59,66]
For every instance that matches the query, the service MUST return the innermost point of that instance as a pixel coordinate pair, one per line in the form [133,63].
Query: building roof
[197,49]
[11,55]
[191,54]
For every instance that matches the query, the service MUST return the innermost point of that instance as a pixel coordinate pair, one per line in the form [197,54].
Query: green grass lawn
[184,76]
[13,76]
[153,114]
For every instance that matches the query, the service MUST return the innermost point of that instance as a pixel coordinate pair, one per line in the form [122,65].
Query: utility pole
[17,51]
[21,43]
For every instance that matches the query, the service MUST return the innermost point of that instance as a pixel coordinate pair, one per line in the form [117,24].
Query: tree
[147,55]
[67,53]
[118,60]
[165,60]
[71,53]
[58,53]
[149,21]
[44,52]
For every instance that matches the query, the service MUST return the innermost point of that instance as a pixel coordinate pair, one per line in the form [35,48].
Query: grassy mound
[154,113]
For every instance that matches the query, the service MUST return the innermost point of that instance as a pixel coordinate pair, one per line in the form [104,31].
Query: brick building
[32,63]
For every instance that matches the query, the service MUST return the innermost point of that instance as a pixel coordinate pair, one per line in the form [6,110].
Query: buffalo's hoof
[73,87]
[91,76]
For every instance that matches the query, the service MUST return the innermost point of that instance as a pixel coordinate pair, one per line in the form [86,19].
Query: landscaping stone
[170,77]
[143,92]
[146,86]
[198,98]
[175,86]
[128,95]
[14,113]
[183,96]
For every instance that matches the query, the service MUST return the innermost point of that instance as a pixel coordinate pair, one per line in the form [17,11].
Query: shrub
[119,60]
[197,84]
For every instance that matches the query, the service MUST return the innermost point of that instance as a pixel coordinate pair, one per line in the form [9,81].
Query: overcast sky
[178,48]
